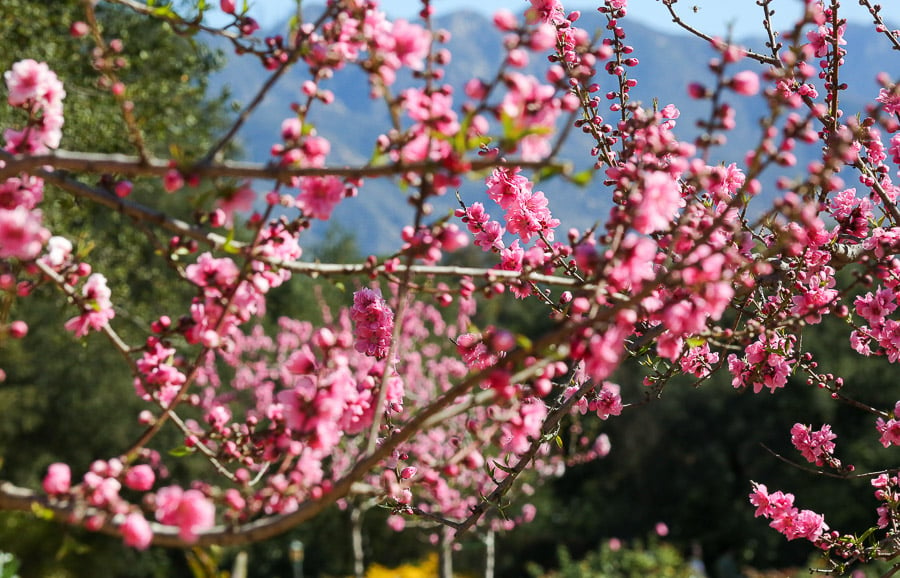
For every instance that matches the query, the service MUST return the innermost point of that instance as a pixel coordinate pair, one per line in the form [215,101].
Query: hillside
[667,63]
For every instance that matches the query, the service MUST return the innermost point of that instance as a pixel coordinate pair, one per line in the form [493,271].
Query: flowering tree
[693,269]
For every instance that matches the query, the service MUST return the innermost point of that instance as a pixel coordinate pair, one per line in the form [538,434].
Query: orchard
[390,391]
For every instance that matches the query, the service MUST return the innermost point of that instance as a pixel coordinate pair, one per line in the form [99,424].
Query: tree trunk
[447,554]
[359,561]
[490,553]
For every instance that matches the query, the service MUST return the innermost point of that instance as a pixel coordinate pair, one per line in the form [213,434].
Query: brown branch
[549,426]
[196,23]
[98,163]
[761,58]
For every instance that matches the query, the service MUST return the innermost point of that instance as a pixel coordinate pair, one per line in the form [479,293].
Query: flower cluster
[787,519]
[373,323]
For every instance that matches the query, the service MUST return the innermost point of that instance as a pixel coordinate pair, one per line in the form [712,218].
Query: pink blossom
[890,100]
[98,310]
[319,196]
[506,186]
[21,234]
[889,430]
[140,478]
[136,531]
[373,323]
[699,361]
[173,180]
[411,44]
[815,446]
[546,11]
[745,82]
[190,510]
[659,199]
[30,81]
[608,401]
[239,200]
[227,6]
[58,479]
[25,191]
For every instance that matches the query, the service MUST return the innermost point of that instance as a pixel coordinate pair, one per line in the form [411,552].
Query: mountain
[668,62]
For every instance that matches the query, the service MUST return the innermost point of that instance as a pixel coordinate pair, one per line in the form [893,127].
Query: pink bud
[58,479]
[407,473]
[123,188]
[172,181]
[78,29]
[136,531]
[18,329]
[140,478]
[228,6]
[745,82]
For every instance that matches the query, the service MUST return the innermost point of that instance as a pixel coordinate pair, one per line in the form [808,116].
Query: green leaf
[583,178]
[40,512]
[559,442]
[181,451]
[695,341]
[229,246]
[506,469]
[523,342]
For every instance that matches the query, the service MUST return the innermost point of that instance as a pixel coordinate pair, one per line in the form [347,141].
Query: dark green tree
[78,404]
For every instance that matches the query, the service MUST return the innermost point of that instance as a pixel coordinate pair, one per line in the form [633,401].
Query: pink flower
[190,510]
[228,6]
[608,401]
[890,100]
[659,201]
[411,44]
[319,196]
[21,234]
[140,478]
[373,323]
[815,446]
[30,81]
[136,531]
[241,199]
[745,82]
[58,479]
[172,180]
[98,309]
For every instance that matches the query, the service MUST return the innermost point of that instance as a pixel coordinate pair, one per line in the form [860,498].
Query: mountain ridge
[667,63]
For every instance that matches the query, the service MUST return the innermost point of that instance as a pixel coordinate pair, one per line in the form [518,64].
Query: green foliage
[8,565]
[613,559]
[78,403]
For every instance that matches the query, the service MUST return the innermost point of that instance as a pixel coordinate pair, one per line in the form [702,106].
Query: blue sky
[711,16]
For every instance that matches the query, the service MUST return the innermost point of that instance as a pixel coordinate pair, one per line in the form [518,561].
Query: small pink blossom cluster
[524,427]
[607,401]
[879,336]
[525,212]
[97,307]
[890,429]
[887,490]
[816,446]
[373,323]
[767,362]
[699,361]
[35,88]
[159,378]
[429,243]
[100,490]
[532,108]
[190,510]
[779,507]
